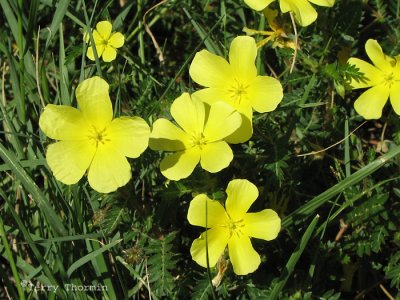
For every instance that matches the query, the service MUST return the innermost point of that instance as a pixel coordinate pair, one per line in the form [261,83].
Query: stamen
[98,136]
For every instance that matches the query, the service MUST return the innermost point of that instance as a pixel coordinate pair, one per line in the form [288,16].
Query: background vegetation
[340,205]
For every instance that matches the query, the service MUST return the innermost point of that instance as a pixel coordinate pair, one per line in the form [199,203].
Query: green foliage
[161,262]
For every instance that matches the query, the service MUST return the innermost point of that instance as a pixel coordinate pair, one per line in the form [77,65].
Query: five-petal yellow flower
[382,79]
[303,11]
[90,139]
[200,137]
[231,226]
[105,42]
[236,83]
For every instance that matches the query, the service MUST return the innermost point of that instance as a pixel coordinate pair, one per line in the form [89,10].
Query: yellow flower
[200,137]
[236,83]
[90,139]
[277,36]
[231,226]
[303,11]
[105,42]
[382,79]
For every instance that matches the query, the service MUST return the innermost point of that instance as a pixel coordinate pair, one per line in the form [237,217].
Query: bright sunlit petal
[167,136]
[379,59]
[188,113]
[61,122]
[129,135]
[181,164]
[197,212]
[242,56]
[94,101]
[69,160]
[395,97]
[241,195]
[303,11]
[327,3]
[265,93]
[217,239]
[373,75]
[116,40]
[265,224]
[210,70]
[222,121]
[244,258]
[370,104]
[258,4]
[216,156]
[104,29]
[109,54]
[109,169]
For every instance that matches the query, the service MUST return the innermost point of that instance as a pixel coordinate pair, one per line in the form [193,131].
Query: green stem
[11,261]
[22,111]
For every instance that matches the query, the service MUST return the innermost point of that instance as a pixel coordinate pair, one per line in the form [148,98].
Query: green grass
[135,243]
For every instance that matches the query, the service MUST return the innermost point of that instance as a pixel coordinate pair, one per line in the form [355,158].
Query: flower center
[235,227]
[98,136]
[238,92]
[198,140]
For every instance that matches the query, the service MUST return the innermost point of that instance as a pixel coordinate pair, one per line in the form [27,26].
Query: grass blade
[92,255]
[356,177]
[34,190]
[294,258]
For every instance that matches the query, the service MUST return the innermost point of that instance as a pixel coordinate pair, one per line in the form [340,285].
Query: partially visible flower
[382,79]
[200,137]
[90,139]
[277,36]
[303,11]
[236,83]
[232,226]
[105,42]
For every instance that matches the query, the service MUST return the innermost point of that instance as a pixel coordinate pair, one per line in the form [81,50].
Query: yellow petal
[242,56]
[258,4]
[303,12]
[104,28]
[210,70]
[217,239]
[241,195]
[86,37]
[109,54]
[189,114]
[373,75]
[94,101]
[265,224]
[62,122]
[327,3]
[69,160]
[245,131]
[116,40]
[99,49]
[181,164]
[265,93]
[379,59]
[203,210]
[370,104]
[129,135]
[98,39]
[211,95]
[109,169]
[395,97]
[244,258]
[167,136]
[222,121]
[216,156]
